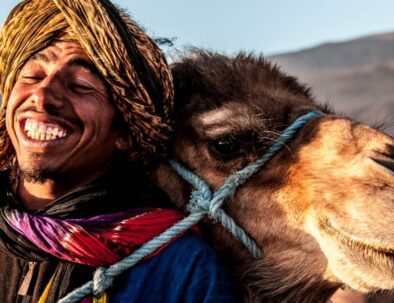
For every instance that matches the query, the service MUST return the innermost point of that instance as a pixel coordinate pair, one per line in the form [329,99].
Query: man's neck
[33,195]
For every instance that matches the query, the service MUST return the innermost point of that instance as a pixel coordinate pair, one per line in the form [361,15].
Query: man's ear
[123,142]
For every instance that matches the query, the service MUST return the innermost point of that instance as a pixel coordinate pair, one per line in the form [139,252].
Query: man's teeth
[43,131]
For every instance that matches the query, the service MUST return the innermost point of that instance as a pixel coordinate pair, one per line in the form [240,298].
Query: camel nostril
[390,150]
[387,165]
[387,153]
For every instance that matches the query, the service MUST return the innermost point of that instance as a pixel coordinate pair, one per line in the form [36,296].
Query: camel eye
[225,147]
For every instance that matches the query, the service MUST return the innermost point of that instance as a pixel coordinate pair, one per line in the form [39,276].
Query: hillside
[356,76]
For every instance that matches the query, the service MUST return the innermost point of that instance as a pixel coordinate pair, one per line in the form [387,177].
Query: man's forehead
[73,54]
[46,57]
[60,49]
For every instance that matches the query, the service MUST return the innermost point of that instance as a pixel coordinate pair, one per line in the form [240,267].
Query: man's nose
[47,95]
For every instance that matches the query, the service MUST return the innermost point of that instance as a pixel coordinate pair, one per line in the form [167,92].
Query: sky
[262,26]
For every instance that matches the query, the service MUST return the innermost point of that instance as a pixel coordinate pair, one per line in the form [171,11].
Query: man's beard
[33,174]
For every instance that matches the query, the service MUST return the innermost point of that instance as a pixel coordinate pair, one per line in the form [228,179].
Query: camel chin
[359,265]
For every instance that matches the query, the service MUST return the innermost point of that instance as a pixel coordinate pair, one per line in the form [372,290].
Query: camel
[320,210]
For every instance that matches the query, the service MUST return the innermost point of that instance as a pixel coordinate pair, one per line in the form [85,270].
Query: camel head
[320,210]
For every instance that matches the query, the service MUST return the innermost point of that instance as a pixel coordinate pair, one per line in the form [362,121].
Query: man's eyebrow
[40,57]
[86,65]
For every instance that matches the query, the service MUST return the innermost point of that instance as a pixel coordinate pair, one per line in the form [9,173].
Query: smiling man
[87,103]
[61,124]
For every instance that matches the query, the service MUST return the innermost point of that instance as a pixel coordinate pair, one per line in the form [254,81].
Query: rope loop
[202,199]
[101,281]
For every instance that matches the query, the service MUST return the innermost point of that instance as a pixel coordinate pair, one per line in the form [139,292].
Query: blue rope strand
[239,233]
[202,202]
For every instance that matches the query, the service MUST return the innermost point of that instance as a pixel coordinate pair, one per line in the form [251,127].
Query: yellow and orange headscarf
[126,57]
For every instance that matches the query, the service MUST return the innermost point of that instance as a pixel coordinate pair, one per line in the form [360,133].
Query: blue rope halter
[203,201]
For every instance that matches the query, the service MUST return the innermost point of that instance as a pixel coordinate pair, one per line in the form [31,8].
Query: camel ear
[187,80]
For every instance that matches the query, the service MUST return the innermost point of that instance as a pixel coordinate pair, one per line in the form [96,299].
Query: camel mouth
[372,253]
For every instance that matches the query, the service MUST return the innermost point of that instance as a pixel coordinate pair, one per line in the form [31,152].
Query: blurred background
[344,50]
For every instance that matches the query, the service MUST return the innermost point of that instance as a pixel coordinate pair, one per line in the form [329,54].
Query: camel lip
[345,239]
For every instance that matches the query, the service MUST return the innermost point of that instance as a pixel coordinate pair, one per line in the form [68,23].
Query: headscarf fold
[131,63]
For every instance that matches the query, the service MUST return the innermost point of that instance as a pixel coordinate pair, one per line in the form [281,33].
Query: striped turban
[130,62]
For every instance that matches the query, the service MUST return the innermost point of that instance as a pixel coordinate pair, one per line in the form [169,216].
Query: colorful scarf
[97,241]
[113,194]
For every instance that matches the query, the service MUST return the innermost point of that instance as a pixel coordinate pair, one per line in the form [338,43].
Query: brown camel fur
[320,210]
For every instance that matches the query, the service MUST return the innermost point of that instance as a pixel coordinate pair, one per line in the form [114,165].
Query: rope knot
[101,281]
[205,201]
[199,201]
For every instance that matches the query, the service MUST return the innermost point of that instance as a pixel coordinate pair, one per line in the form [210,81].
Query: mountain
[356,76]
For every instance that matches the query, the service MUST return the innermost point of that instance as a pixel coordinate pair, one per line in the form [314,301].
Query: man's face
[59,116]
